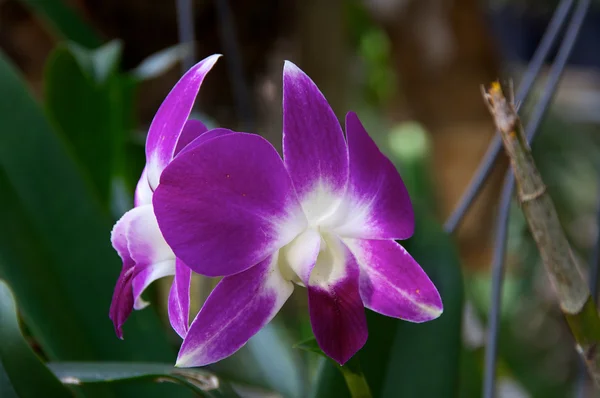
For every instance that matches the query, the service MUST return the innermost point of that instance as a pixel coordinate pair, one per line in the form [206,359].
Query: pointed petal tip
[186,360]
[118,330]
[207,63]
[292,70]
[430,311]
[289,66]
[343,360]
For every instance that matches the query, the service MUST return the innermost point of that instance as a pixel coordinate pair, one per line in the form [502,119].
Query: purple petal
[192,130]
[145,256]
[209,135]
[337,313]
[227,204]
[238,307]
[179,299]
[145,275]
[377,205]
[314,148]
[392,283]
[171,117]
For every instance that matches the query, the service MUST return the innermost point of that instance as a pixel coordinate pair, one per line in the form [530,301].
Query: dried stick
[571,289]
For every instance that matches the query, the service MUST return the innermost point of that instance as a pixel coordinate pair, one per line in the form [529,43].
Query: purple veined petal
[121,305]
[191,130]
[377,205]
[171,117]
[143,192]
[392,283]
[227,204]
[179,299]
[314,147]
[138,241]
[238,307]
[337,313]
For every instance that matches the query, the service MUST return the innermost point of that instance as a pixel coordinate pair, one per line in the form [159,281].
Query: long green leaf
[201,382]
[56,253]
[83,100]
[425,358]
[27,375]
[352,371]
[267,361]
[65,21]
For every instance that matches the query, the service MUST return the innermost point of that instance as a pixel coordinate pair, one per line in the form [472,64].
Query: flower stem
[571,289]
[355,379]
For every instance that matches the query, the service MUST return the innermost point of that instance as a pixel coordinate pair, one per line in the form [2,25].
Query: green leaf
[425,358]
[27,375]
[65,21]
[55,250]
[84,100]
[353,375]
[266,361]
[199,381]
[6,388]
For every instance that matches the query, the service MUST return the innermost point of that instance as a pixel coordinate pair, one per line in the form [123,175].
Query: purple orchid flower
[136,236]
[326,217]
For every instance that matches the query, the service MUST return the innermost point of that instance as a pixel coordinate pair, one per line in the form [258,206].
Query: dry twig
[571,289]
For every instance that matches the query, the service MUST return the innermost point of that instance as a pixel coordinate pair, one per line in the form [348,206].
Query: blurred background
[97,71]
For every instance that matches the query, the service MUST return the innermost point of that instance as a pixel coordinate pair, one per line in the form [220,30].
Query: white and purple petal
[146,274]
[146,257]
[337,313]
[179,299]
[122,301]
[377,205]
[227,204]
[314,147]
[171,118]
[238,307]
[392,283]
[143,192]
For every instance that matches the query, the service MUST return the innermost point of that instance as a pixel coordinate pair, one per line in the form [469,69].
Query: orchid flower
[136,236]
[325,217]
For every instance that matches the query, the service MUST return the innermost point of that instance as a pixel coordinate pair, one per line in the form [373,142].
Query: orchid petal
[171,117]
[314,148]
[145,256]
[392,283]
[179,299]
[208,135]
[377,205]
[143,192]
[227,204]
[145,275]
[238,307]
[336,311]
[191,130]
